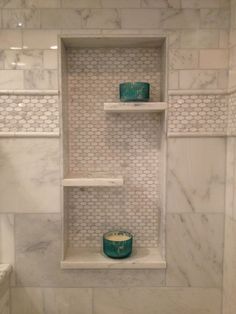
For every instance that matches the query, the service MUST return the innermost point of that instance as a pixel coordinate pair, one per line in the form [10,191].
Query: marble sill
[5,270]
[135,107]
[93,258]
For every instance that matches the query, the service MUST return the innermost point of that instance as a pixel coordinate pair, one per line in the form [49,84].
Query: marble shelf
[92,179]
[93,258]
[135,107]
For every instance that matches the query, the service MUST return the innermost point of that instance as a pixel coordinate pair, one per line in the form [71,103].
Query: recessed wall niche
[113,153]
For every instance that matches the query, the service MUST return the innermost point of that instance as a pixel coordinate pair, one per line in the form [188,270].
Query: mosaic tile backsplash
[120,144]
[29,113]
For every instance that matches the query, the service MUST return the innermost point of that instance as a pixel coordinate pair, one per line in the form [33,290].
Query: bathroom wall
[197,124]
[229,304]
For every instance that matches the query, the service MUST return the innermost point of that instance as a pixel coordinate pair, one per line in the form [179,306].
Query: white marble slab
[135,107]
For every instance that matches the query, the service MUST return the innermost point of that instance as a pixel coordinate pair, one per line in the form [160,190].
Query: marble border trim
[196,135]
[29,134]
[200,92]
[29,92]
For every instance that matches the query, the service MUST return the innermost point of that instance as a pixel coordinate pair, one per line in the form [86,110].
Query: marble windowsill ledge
[93,258]
[5,270]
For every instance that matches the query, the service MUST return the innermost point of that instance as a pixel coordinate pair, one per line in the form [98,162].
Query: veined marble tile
[41,3]
[100,18]
[40,79]
[199,38]
[157,301]
[223,79]
[232,59]
[195,249]
[10,3]
[40,39]
[229,287]
[145,18]
[50,59]
[21,18]
[198,79]
[5,303]
[224,39]
[174,39]
[174,4]
[10,39]
[51,301]
[23,59]
[196,175]
[30,175]
[81,4]
[230,202]
[10,79]
[60,18]
[198,4]
[38,255]
[7,242]
[173,79]
[183,59]
[214,18]
[120,4]
[214,59]
[174,18]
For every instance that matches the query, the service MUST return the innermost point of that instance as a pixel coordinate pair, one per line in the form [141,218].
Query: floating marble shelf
[135,107]
[93,258]
[93,179]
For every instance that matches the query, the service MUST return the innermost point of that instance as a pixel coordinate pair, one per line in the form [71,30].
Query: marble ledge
[5,270]
[28,134]
[29,92]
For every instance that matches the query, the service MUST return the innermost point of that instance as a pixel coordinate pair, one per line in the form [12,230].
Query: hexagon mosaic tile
[128,145]
[29,113]
[198,114]
[232,115]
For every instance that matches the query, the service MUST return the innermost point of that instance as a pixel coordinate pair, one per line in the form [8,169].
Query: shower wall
[29,164]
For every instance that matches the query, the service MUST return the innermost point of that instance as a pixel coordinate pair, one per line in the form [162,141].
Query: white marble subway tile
[40,39]
[214,18]
[224,39]
[199,38]
[223,79]
[196,177]
[145,18]
[198,79]
[50,59]
[10,3]
[174,4]
[60,18]
[232,59]
[120,4]
[23,59]
[11,79]
[230,180]
[100,18]
[30,172]
[179,19]
[2,59]
[21,18]
[10,39]
[174,39]
[51,300]
[213,59]
[157,301]
[40,79]
[232,77]
[173,79]
[41,3]
[198,4]
[5,301]
[195,249]
[81,4]
[38,255]
[183,59]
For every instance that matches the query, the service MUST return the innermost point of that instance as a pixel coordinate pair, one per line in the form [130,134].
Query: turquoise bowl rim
[118,231]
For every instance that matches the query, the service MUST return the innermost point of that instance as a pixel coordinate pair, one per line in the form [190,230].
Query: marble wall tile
[223,79]
[199,38]
[23,59]
[50,58]
[175,4]
[60,18]
[7,242]
[157,301]
[173,79]
[230,203]
[41,3]
[51,301]
[198,79]
[97,18]
[5,303]
[40,79]
[214,18]
[214,59]
[30,171]
[195,249]
[183,59]
[81,4]
[10,3]
[232,59]
[224,39]
[11,79]
[21,18]
[198,4]
[196,178]
[10,39]
[40,39]
[38,255]
[145,18]
[120,4]
[179,19]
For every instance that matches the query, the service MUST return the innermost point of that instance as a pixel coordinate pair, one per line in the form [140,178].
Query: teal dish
[138,91]
[117,244]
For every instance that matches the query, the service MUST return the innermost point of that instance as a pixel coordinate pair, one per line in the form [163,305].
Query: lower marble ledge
[93,258]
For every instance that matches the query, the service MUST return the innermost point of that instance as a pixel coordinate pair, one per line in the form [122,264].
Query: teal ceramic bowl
[117,244]
[138,91]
